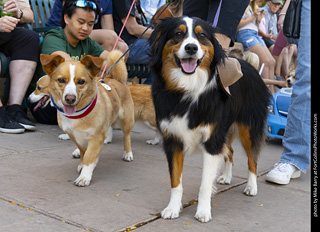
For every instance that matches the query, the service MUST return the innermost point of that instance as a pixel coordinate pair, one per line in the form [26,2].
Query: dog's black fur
[247,106]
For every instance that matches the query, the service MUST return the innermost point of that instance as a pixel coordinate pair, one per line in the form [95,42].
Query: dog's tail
[119,71]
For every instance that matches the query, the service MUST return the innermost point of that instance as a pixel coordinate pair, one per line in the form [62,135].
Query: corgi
[143,108]
[194,111]
[291,76]
[86,108]
[41,94]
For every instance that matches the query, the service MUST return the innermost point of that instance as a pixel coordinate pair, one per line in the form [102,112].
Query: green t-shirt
[56,40]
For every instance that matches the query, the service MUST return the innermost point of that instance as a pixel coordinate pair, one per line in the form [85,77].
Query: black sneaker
[18,115]
[7,125]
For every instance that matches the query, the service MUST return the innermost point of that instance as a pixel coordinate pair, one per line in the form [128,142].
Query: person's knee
[122,46]
[269,61]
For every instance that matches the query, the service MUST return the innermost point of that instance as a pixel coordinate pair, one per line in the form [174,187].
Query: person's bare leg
[268,61]
[280,61]
[21,73]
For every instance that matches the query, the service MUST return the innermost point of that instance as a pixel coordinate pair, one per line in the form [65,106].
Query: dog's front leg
[175,158]
[211,164]
[89,161]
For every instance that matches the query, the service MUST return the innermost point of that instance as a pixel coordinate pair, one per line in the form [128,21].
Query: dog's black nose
[70,99]
[191,48]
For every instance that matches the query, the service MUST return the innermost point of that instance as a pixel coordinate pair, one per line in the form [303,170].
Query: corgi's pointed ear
[92,63]
[50,62]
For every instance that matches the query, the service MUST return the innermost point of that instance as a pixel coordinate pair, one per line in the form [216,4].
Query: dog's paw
[224,179]
[108,140]
[203,215]
[82,181]
[251,190]
[64,137]
[153,141]
[79,169]
[76,153]
[127,156]
[170,212]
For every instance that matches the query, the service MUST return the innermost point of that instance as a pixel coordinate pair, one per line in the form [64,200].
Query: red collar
[81,113]
[85,111]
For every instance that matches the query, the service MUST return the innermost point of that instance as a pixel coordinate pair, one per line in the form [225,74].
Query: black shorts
[230,14]
[268,42]
[20,44]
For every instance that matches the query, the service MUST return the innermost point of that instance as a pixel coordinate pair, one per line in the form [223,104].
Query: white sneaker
[282,173]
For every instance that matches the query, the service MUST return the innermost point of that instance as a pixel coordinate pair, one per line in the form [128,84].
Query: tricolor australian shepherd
[193,110]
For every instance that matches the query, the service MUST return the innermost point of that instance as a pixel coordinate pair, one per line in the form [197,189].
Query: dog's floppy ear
[158,39]
[154,42]
[93,64]
[50,62]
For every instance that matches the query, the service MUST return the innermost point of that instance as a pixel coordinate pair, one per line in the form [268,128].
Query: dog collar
[80,113]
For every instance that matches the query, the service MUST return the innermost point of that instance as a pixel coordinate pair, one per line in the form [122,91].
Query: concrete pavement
[37,191]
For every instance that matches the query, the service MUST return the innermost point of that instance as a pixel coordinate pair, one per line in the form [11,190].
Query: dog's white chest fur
[81,136]
[191,138]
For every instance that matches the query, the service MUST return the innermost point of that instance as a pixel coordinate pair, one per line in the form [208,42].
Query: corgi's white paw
[76,153]
[127,156]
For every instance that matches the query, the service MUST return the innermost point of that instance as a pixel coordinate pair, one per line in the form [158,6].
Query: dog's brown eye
[179,34]
[81,82]
[202,35]
[39,88]
[61,81]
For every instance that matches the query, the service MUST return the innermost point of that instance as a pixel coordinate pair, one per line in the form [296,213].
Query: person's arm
[136,29]
[252,17]
[22,12]
[282,14]
[107,22]
[267,35]
[246,21]
[104,54]
[8,24]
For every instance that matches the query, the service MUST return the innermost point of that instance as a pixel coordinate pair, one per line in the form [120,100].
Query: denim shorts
[249,38]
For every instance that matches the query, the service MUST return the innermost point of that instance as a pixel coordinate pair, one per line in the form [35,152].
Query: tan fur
[42,85]
[144,108]
[143,105]
[119,72]
[177,168]
[89,132]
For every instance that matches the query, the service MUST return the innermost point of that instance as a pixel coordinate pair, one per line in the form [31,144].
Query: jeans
[297,137]
[249,38]
[140,53]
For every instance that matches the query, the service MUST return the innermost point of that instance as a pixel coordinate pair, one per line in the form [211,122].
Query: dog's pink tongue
[189,65]
[69,110]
